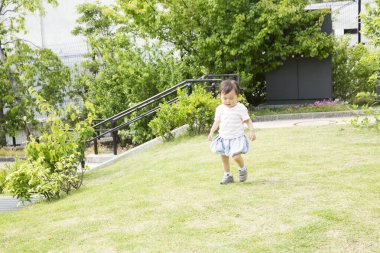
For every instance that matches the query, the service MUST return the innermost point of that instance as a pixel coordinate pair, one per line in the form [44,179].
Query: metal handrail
[209,78]
[143,104]
[153,99]
[236,76]
[130,121]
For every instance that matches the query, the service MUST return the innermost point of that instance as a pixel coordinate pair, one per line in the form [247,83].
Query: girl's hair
[229,85]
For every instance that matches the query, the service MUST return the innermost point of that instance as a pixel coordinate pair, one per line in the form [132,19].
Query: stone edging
[10,158]
[312,115]
[139,148]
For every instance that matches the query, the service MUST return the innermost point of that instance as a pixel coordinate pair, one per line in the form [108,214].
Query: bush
[167,118]
[140,131]
[354,70]
[365,98]
[124,136]
[53,159]
[197,110]
[370,121]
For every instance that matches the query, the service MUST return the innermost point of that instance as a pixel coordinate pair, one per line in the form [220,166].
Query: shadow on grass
[261,182]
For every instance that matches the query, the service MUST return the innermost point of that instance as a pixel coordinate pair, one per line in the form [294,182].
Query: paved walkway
[9,203]
[302,122]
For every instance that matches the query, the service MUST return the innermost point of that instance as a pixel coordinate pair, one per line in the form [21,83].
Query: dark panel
[282,83]
[351,31]
[327,24]
[314,78]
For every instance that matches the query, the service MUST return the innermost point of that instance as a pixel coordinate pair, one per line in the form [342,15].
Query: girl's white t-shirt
[231,120]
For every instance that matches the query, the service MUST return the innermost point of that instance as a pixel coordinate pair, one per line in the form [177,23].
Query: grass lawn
[310,189]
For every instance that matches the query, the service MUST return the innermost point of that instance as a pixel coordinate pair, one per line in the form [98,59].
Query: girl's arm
[252,135]
[213,129]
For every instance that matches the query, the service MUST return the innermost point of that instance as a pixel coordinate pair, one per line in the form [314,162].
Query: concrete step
[8,203]
[100,158]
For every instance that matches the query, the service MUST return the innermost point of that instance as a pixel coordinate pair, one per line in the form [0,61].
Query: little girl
[230,117]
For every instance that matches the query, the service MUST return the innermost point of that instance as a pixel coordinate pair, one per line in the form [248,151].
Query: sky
[56,25]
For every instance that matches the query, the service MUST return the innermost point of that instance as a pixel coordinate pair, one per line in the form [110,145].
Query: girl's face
[229,99]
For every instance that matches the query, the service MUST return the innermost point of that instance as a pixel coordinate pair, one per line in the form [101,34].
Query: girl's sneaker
[227,179]
[243,175]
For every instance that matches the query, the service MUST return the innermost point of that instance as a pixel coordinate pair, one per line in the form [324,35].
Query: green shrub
[197,110]
[354,69]
[3,175]
[370,121]
[124,136]
[365,98]
[53,159]
[167,118]
[140,131]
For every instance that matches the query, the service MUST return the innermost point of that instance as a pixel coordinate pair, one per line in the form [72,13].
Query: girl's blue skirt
[230,147]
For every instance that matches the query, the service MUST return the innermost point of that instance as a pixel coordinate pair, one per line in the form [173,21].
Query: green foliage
[140,131]
[25,68]
[167,118]
[122,69]
[371,23]
[3,175]
[124,137]
[118,73]
[370,121]
[250,38]
[197,110]
[53,159]
[354,69]
[363,98]
[21,67]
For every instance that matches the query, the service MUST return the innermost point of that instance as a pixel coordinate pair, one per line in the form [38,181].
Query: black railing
[99,133]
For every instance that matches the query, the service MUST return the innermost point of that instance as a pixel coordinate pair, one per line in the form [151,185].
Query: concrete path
[301,122]
[2,164]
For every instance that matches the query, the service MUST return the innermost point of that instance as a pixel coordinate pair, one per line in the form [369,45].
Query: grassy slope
[310,189]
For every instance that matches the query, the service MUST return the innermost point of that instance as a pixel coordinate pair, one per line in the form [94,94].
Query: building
[345,17]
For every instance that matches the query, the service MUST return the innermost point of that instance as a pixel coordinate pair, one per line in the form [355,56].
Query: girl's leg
[226,163]
[243,170]
[228,178]
[239,160]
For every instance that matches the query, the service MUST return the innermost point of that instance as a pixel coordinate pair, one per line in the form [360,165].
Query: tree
[249,37]
[22,67]
[371,23]
[121,69]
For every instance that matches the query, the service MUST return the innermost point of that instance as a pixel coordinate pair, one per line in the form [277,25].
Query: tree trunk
[3,140]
